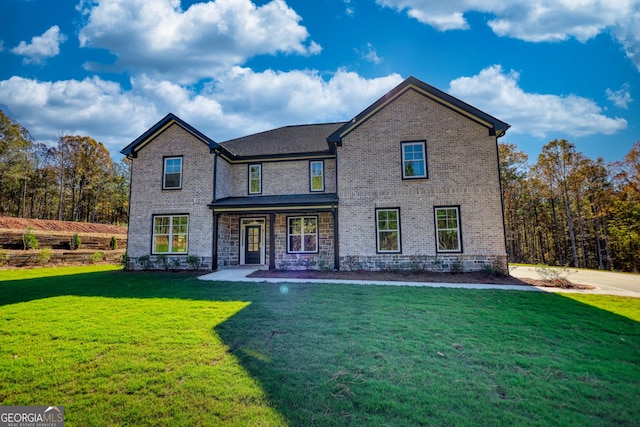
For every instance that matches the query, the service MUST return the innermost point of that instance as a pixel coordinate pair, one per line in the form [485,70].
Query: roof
[301,139]
[289,202]
[495,126]
[168,120]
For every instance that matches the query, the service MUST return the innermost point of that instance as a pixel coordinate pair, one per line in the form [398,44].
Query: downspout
[504,225]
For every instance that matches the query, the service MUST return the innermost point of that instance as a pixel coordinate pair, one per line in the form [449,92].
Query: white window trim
[311,163]
[170,235]
[424,159]
[458,229]
[289,218]
[164,173]
[378,249]
[259,166]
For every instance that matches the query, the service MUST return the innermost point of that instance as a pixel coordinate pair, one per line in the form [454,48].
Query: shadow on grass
[349,354]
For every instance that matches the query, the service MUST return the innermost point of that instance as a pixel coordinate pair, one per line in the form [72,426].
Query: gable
[131,150]
[495,127]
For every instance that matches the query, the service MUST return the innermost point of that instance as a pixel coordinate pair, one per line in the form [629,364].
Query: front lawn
[119,348]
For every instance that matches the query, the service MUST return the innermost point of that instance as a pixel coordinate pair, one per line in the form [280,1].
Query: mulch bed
[415,276]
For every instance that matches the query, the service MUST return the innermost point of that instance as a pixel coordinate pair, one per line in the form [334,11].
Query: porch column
[272,241]
[336,240]
[214,243]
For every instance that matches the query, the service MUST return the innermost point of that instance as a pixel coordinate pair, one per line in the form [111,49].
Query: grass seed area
[119,348]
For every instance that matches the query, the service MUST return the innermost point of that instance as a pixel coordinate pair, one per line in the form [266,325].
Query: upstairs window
[172,176]
[170,234]
[448,229]
[316,175]
[414,160]
[388,230]
[255,178]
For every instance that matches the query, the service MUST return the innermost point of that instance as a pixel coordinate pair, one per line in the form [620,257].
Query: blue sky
[110,69]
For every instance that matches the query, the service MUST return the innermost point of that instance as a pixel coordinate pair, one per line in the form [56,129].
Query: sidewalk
[239,274]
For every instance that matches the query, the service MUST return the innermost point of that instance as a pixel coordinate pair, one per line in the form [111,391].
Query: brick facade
[149,199]
[362,173]
[462,167]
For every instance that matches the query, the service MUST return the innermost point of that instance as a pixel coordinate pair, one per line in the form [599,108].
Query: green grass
[120,348]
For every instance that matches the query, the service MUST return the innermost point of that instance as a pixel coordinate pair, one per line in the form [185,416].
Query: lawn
[119,348]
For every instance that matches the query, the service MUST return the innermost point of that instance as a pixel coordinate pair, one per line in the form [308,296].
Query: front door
[252,244]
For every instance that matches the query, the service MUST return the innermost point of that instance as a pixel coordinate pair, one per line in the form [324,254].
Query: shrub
[557,276]
[456,266]
[4,257]
[44,255]
[97,257]
[75,243]
[30,240]
[194,262]
[113,243]
[162,260]
[175,263]
[124,260]
[145,262]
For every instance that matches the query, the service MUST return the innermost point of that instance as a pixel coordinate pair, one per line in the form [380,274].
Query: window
[316,175]
[255,179]
[448,229]
[414,164]
[170,234]
[172,177]
[302,234]
[388,230]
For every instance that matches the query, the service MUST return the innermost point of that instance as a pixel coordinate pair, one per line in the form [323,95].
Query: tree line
[568,209]
[75,180]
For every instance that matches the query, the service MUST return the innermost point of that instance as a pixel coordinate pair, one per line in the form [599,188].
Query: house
[412,182]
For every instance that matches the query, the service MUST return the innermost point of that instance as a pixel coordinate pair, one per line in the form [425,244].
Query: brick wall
[148,198]
[462,171]
[285,177]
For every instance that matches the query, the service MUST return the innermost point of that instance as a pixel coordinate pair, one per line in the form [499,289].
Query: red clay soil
[66,226]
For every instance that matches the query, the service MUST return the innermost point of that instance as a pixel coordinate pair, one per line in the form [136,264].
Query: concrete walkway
[239,274]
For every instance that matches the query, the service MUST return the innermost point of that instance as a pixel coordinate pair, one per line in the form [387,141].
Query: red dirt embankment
[64,226]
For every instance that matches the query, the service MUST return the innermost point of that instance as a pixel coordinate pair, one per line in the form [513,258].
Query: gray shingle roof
[282,141]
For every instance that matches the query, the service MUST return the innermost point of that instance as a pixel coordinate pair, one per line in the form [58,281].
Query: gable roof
[495,126]
[132,149]
[284,141]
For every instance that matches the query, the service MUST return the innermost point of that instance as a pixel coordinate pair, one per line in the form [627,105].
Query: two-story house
[412,182]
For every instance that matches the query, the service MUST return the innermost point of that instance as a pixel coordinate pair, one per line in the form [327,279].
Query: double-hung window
[448,237]
[316,175]
[414,160]
[170,234]
[388,230]
[255,178]
[172,174]
[302,234]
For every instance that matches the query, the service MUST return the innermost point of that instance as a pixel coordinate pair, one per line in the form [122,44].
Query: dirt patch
[414,276]
[60,226]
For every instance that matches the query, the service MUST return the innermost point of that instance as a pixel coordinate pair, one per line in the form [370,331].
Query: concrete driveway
[606,282]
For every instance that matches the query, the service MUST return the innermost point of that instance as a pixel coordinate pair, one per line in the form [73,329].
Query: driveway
[606,282]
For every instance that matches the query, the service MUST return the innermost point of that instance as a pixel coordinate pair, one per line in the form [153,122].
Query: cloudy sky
[110,69]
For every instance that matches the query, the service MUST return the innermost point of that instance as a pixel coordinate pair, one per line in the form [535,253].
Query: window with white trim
[316,175]
[255,178]
[388,230]
[170,234]
[414,160]
[448,237]
[172,174]
[302,234]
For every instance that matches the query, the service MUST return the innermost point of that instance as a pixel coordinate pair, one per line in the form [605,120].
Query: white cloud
[536,21]
[621,97]
[167,42]
[239,103]
[370,55]
[41,47]
[540,115]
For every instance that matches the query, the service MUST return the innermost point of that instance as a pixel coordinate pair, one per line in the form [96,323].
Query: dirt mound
[66,226]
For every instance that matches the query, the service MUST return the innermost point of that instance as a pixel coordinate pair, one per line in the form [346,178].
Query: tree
[15,145]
